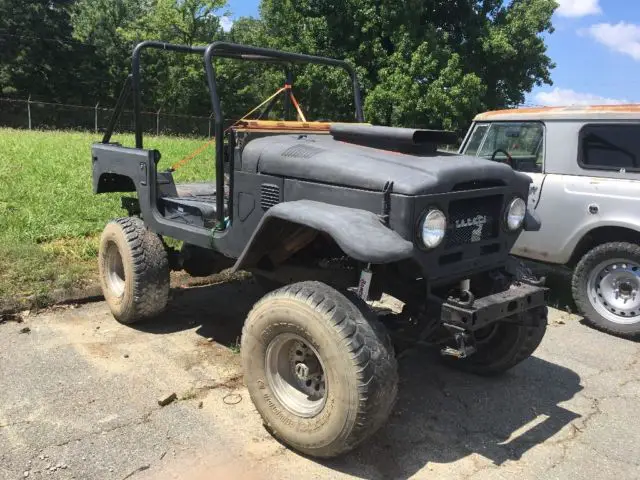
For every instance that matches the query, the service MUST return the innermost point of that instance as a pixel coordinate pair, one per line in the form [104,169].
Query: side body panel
[572,201]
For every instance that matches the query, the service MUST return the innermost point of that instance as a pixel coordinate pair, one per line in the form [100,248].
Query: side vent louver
[270,195]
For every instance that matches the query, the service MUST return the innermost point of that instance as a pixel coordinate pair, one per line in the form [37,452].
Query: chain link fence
[36,115]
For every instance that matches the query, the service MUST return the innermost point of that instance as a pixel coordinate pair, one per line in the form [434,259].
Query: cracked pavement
[79,400]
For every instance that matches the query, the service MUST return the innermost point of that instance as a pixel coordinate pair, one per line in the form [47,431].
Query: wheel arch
[114,182]
[600,235]
[289,226]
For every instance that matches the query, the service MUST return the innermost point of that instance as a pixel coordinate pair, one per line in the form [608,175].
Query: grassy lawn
[50,221]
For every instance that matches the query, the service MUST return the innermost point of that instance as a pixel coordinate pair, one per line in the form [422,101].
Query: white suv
[585,166]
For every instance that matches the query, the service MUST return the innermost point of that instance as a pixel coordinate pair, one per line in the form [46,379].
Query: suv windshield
[522,141]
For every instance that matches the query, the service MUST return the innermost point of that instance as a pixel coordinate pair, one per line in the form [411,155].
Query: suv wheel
[503,345]
[606,288]
[319,369]
[134,270]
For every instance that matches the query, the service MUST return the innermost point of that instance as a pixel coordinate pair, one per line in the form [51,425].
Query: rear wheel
[503,345]
[319,369]
[606,288]
[134,270]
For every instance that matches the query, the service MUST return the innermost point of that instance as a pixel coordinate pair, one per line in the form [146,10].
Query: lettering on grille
[472,220]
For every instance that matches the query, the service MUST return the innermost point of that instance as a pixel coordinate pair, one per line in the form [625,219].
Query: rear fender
[120,169]
[359,233]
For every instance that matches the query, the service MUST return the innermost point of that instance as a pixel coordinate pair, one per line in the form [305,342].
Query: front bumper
[484,311]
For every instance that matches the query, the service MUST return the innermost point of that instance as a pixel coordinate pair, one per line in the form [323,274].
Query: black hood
[323,159]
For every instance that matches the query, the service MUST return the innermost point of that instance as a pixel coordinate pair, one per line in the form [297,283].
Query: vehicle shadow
[216,311]
[441,415]
[560,295]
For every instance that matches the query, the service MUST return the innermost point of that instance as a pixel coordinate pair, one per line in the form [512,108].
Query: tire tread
[150,267]
[374,361]
[580,296]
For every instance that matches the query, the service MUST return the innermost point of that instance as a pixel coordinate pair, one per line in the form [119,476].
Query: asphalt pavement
[79,400]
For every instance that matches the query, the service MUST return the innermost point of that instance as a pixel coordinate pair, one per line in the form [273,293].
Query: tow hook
[464,343]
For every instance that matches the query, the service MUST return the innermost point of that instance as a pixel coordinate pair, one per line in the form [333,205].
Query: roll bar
[221,50]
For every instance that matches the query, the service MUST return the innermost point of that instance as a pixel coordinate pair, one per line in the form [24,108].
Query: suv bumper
[519,298]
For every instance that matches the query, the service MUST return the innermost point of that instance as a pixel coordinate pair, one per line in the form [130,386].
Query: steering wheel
[509,157]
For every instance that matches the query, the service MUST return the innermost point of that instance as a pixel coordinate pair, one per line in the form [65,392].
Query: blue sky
[596,48]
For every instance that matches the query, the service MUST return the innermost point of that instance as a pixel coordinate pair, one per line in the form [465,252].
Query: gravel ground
[79,400]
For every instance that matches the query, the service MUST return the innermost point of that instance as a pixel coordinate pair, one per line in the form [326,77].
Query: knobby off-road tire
[356,370]
[134,270]
[595,278]
[505,344]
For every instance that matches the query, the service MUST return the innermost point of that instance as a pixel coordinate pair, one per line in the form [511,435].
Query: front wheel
[502,345]
[320,370]
[606,288]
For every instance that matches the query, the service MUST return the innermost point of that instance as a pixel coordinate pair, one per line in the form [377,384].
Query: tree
[173,82]
[38,55]
[100,23]
[423,62]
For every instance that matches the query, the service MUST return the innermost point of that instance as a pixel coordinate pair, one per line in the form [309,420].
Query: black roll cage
[221,50]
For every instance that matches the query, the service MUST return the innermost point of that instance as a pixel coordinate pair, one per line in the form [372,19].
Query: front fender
[359,233]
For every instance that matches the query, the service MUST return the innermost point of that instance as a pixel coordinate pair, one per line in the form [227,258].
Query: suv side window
[610,147]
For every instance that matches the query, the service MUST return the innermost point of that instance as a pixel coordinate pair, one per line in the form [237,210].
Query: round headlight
[515,213]
[434,227]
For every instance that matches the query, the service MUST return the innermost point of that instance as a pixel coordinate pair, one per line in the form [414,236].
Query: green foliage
[172,82]
[99,23]
[420,62]
[38,55]
[423,62]
[50,219]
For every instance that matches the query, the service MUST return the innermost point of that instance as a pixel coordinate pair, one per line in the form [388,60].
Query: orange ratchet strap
[189,157]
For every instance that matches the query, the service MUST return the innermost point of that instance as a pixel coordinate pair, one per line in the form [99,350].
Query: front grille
[473,220]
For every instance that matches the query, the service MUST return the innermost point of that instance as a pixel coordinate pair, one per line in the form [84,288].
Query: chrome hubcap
[114,270]
[614,290]
[296,375]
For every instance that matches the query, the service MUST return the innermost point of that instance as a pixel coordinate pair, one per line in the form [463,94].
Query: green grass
[50,220]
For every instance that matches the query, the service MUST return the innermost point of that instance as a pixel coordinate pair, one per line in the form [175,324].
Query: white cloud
[622,37]
[578,8]
[226,23]
[565,96]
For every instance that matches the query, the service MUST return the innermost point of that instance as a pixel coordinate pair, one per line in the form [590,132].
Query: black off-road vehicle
[331,215]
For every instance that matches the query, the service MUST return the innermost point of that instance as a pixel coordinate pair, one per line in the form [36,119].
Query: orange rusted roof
[618,112]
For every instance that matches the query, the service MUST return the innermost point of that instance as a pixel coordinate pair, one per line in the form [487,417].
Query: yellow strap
[244,117]
[186,159]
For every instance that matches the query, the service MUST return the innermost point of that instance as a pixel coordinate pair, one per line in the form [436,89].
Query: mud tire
[140,288]
[360,367]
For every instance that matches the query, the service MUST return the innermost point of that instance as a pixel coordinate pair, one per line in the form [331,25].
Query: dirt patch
[90,291]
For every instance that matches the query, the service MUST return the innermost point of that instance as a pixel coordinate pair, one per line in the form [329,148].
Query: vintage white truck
[585,166]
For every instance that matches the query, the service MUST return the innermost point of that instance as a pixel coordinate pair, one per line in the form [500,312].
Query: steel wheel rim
[613,288]
[114,267]
[296,375]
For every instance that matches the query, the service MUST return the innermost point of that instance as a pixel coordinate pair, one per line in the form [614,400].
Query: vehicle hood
[321,158]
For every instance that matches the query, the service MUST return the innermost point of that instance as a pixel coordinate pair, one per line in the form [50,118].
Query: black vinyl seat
[200,189]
